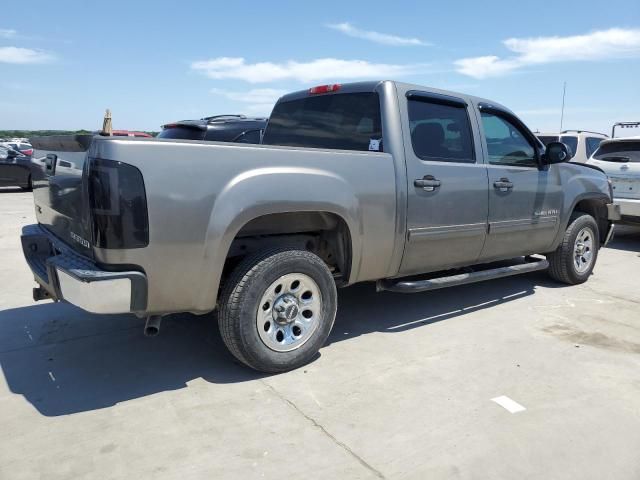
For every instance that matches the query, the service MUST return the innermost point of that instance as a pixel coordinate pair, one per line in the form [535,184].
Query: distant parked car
[16,169]
[620,160]
[22,147]
[581,142]
[220,128]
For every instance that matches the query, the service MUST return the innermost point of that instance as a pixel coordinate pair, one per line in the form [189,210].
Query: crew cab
[411,187]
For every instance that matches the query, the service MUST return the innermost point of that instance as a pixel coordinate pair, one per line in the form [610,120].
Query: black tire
[242,296]
[562,265]
[29,186]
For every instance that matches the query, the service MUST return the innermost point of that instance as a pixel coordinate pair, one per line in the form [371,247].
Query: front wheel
[575,257]
[277,309]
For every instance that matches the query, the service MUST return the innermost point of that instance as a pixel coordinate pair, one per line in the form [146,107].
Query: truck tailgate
[60,199]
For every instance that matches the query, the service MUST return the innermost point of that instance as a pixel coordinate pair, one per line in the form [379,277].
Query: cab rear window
[345,121]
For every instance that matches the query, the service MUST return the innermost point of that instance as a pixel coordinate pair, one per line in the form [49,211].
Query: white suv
[620,160]
[581,142]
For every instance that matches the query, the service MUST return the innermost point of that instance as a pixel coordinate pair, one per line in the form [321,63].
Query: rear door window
[345,121]
[592,144]
[440,132]
[571,142]
[547,139]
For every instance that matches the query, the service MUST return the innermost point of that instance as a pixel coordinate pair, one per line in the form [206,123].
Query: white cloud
[256,95]
[23,55]
[7,33]
[376,37]
[321,69]
[599,45]
[257,101]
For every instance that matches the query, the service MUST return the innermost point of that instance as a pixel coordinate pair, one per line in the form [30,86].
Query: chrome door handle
[504,185]
[428,183]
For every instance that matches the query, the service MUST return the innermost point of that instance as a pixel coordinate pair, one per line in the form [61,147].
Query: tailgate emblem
[77,238]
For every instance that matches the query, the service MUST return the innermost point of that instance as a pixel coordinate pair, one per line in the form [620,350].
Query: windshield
[619,152]
[546,139]
[348,121]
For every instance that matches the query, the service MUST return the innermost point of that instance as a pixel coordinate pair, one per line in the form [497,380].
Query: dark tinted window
[571,142]
[592,144]
[507,144]
[440,132]
[546,139]
[252,136]
[183,133]
[348,121]
[220,134]
[619,152]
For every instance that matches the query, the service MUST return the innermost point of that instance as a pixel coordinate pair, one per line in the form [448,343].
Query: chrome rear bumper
[66,275]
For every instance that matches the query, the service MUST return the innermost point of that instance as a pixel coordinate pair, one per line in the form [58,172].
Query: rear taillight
[118,205]
[27,152]
[324,88]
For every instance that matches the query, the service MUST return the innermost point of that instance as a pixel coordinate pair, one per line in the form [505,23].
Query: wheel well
[597,208]
[323,233]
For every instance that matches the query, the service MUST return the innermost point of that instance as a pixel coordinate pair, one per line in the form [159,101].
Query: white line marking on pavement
[510,405]
[53,379]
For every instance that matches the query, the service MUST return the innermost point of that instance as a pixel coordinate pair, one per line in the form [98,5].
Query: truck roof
[370,86]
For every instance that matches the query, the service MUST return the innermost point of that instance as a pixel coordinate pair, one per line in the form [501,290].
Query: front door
[524,199]
[447,184]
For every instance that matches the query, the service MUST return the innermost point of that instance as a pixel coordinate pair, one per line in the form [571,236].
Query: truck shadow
[626,238]
[63,360]
[11,190]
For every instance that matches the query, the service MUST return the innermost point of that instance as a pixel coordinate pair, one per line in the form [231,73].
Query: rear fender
[270,190]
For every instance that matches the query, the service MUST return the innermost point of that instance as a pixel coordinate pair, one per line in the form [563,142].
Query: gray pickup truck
[412,187]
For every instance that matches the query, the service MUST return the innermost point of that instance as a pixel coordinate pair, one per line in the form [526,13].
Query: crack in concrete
[320,427]
[611,295]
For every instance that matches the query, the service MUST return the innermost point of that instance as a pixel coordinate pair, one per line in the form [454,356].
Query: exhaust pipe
[152,325]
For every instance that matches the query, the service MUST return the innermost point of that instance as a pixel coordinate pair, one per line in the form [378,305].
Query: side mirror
[556,152]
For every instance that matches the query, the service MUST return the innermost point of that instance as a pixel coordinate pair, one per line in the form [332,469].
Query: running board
[412,286]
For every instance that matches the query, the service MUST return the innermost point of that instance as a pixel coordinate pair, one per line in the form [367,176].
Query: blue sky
[62,63]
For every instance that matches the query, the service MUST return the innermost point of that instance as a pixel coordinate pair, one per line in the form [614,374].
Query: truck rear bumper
[66,275]
[629,207]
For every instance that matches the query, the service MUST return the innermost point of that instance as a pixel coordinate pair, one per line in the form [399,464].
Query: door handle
[428,183]
[504,185]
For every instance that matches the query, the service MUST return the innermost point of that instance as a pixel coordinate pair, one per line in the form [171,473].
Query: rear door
[446,181]
[524,200]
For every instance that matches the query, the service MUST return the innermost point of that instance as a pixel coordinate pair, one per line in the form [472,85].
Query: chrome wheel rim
[289,312]
[583,250]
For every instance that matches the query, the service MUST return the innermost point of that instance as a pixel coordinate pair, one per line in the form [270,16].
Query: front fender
[579,183]
[268,190]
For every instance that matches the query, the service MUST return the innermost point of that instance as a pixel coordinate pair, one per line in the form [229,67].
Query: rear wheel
[574,259]
[277,309]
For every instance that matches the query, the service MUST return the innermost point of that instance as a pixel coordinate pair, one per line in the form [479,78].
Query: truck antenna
[564,92]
